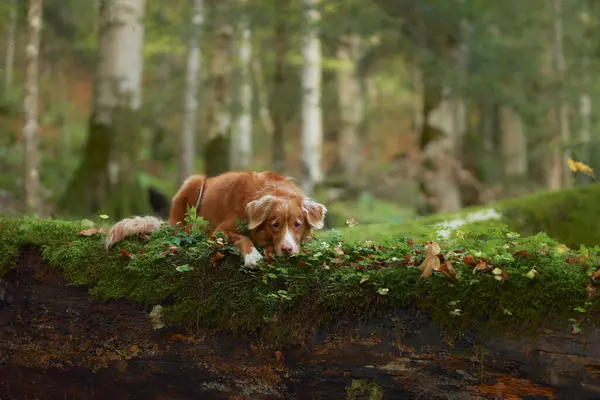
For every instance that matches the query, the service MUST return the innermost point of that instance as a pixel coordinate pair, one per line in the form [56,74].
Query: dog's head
[284,222]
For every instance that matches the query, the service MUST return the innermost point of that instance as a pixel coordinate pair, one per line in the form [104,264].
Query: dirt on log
[58,342]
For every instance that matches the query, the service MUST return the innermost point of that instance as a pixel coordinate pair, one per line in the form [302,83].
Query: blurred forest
[382,109]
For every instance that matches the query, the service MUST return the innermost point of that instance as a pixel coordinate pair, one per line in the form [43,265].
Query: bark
[60,342]
[514,145]
[30,108]
[585,100]
[277,107]
[351,108]
[312,117]
[107,175]
[559,175]
[10,47]
[218,124]
[241,144]
[187,150]
[442,172]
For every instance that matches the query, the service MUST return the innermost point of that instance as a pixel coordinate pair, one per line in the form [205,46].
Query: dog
[280,217]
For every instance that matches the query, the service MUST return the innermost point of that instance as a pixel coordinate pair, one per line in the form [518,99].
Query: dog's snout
[287,249]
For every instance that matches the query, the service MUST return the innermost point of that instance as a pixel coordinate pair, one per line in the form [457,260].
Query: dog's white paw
[252,258]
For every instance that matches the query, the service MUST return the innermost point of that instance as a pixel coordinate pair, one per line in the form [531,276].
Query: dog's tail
[131,226]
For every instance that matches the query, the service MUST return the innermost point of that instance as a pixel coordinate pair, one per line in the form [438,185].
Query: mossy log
[79,322]
[58,342]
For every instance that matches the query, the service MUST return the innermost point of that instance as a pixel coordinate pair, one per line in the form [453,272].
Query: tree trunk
[108,170]
[514,145]
[30,108]
[187,150]
[312,118]
[559,175]
[351,108]
[585,100]
[261,96]
[218,122]
[10,48]
[60,342]
[277,106]
[241,144]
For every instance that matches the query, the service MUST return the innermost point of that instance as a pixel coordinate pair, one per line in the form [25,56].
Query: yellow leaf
[578,166]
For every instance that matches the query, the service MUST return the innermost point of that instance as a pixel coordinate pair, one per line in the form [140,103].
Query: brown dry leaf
[448,270]
[481,265]
[469,260]
[278,356]
[596,274]
[432,248]
[216,258]
[432,261]
[90,231]
[430,264]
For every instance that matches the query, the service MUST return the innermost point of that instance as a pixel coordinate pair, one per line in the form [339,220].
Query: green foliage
[527,283]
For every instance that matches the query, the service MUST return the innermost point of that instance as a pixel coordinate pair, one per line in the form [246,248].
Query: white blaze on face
[288,239]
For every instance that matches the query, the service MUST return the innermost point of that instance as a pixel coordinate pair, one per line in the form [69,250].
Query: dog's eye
[276,225]
[296,224]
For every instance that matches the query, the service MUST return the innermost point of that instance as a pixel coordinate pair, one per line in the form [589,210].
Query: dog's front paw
[252,258]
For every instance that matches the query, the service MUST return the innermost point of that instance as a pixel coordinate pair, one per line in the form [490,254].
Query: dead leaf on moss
[448,270]
[216,258]
[469,260]
[90,231]
[432,261]
[481,266]
[596,274]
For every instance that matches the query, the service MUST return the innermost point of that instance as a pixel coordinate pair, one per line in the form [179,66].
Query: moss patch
[286,300]
[569,216]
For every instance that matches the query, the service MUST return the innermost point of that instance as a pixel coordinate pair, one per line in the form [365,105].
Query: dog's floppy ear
[258,210]
[315,213]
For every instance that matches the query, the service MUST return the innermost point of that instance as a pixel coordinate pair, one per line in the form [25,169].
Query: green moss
[291,297]
[569,216]
[361,387]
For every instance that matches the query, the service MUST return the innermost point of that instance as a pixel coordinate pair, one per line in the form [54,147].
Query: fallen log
[173,317]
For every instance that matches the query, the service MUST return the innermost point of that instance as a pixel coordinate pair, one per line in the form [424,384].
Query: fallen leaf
[596,274]
[351,222]
[469,260]
[481,266]
[432,248]
[125,253]
[531,273]
[216,258]
[90,231]
[278,356]
[591,290]
[184,268]
[448,270]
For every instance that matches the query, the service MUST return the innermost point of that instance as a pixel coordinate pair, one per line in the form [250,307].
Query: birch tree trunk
[187,149]
[107,177]
[10,47]
[241,144]
[351,108]
[559,175]
[585,100]
[218,124]
[514,144]
[312,118]
[277,107]
[30,131]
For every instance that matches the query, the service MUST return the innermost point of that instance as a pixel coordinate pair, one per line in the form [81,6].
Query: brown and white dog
[279,216]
